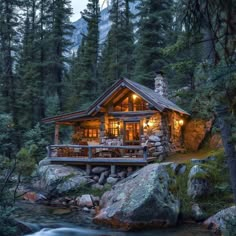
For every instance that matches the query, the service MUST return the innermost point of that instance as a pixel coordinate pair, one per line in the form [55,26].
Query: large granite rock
[141,200]
[224,221]
[61,178]
[195,132]
[199,184]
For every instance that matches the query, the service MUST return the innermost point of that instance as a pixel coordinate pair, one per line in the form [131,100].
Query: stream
[52,221]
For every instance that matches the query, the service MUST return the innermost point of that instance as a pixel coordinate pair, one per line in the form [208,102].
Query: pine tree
[153,34]
[73,85]
[8,38]
[89,52]
[60,28]
[27,68]
[117,54]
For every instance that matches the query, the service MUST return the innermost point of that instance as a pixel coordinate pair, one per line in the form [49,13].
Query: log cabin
[129,124]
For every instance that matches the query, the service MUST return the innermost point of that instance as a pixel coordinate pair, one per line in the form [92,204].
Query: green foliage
[85,189]
[7,228]
[7,132]
[26,160]
[84,73]
[222,196]
[217,174]
[35,141]
[117,53]
[154,33]
[178,186]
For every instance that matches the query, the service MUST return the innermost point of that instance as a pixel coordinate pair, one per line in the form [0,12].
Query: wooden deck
[102,161]
[99,155]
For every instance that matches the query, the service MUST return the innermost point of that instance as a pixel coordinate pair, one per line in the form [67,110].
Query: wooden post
[145,153]
[56,135]
[89,152]
[48,151]
[113,170]
[88,169]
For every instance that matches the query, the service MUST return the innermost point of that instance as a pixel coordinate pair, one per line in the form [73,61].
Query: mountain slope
[104,26]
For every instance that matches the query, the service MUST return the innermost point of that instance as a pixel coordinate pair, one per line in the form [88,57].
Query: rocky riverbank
[158,195]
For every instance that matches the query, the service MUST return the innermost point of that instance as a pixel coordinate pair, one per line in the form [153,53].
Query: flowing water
[51,221]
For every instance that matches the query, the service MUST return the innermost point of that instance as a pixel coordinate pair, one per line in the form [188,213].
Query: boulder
[178,168]
[197,213]
[156,154]
[96,178]
[86,201]
[45,162]
[141,200]
[160,149]
[102,178]
[95,200]
[182,169]
[122,174]
[112,180]
[159,134]
[158,144]
[205,160]
[99,169]
[224,221]
[195,132]
[199,184]
[61,178]
[211,158]
[154,138]
[34,197]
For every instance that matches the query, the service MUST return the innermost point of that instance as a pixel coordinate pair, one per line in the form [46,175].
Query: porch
[99,155]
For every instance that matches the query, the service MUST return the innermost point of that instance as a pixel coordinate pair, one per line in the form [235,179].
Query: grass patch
[217,173]
[178,187]
[186,157]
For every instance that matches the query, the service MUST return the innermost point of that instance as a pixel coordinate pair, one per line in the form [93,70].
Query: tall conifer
[117,54]
[153,34]
[88,65]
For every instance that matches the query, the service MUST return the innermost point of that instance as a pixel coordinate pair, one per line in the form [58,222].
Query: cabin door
[132,133]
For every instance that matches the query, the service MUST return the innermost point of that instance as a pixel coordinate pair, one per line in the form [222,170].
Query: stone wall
[164,134]
[156,135]
[176,130]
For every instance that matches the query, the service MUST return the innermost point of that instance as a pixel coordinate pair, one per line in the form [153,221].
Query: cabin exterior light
[181,122]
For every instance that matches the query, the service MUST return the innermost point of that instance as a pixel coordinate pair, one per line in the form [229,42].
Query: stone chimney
[160,84]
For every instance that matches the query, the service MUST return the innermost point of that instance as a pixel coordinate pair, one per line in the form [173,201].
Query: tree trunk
[223,116]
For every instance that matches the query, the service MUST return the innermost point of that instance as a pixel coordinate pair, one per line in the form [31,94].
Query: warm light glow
[118,125]
[181,122]
[150,123]
[134,96]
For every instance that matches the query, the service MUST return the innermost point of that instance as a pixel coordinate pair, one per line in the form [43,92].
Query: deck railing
[97,151]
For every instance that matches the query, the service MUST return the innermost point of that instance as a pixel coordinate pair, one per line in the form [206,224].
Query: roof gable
[159,102]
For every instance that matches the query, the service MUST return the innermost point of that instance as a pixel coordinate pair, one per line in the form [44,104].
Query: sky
[78,6]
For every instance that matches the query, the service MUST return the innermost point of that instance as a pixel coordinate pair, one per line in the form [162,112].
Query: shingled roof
[159,102]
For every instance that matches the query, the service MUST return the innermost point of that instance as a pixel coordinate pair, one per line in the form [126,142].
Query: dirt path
[186,157]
